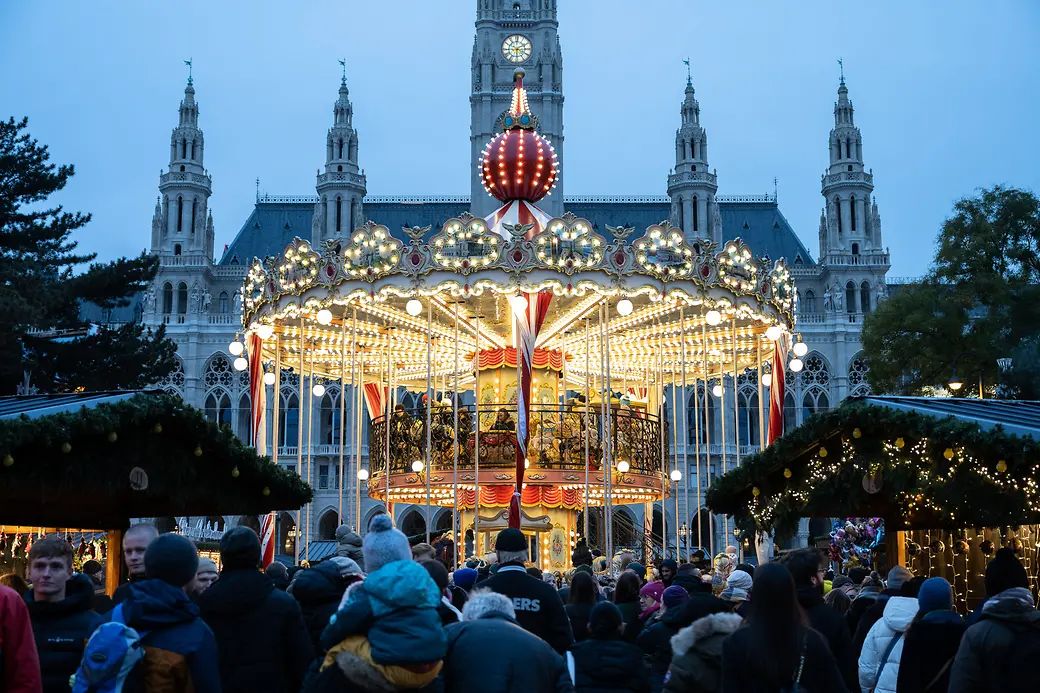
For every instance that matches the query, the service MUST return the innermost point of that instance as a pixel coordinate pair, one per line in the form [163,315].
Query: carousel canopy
[98,459]
[920,463]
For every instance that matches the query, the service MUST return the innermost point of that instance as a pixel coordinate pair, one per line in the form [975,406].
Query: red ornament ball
[519,165]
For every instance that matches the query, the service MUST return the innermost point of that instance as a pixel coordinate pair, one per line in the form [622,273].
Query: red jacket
[20,665]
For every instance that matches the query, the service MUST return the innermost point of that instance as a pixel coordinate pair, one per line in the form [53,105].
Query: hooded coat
[349,545]
[319,591]
[930,645]
[1000,652]
[656,642]
[898,615]
[180,651]
[602,665]
[61,630]
[260,633]
[697,654]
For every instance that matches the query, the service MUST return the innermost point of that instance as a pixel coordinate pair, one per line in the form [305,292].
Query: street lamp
[676,475]
[362,474]
[955,383]
[622,466]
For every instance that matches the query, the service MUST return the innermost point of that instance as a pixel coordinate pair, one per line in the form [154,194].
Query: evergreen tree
[43,284]
[979,302]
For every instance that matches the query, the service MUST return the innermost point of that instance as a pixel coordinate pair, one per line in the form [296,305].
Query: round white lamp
[417,466]
[717,390]
[713,317]
[796,365]
[622,466]
[676,475]
[264,331]
[767,379]
[241,364]
[624,307]
[773,333]
[800,349]
[413,307]
[236,348]
[318,389]
[269,378]
[362,474]
[324,317]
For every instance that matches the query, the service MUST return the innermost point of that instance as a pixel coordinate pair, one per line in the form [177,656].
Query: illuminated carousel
[543,349]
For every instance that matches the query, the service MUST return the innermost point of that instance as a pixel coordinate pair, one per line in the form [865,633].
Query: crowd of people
[383,615]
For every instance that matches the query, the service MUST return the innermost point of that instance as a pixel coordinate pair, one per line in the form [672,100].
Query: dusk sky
[947,96]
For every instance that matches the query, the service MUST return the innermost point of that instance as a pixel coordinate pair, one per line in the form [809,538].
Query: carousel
[543,349]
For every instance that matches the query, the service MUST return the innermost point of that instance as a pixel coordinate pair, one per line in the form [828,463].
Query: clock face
[516,48]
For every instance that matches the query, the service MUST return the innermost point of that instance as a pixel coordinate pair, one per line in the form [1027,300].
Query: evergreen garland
[913,470]
[74,468]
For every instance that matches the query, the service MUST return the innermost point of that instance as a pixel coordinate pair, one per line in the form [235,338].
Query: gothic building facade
[196,295]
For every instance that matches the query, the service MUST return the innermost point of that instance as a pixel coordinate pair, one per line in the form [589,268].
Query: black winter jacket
[831,625]
[260,633]
[539,609]
[819,675]
[1001,651]
[495,654]
[697,654]
[579,618]
[609,665]
[61,630]
[318,590]
[656,643]
[929,647]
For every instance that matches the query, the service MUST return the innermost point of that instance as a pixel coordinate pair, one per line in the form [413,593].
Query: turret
[692,185]
[341,187]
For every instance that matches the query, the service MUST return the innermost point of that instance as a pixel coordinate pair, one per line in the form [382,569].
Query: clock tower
[512,34]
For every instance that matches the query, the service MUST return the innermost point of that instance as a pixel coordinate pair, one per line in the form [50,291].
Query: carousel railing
[557,438]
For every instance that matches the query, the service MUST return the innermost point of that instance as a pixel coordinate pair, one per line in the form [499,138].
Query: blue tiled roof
[275,222]
[1017,417]
[34,406]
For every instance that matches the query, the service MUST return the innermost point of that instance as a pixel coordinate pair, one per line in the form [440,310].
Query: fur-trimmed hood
[361,673]
[702,629]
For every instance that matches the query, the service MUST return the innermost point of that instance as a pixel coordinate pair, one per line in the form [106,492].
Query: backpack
[111,654]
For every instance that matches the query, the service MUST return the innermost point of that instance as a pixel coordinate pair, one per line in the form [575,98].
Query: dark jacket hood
[79,595]
[609,660]
[1012,612]
[318,585]
[154,604]
[236,591]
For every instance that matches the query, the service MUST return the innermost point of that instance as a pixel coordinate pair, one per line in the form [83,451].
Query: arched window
[218,407]
[850,297]
[814,401]
[327,525]
[864,297]
[173,382]
[287,535]
[848,148]
[809,302]
[194,209]
[748,411]
[339,214]
[167,298]
[790,413]
[695,214]
[182,298]
[852,212]
[218,373]
[855,248]
[837,212]
[858,369]
[329,418]
[243,428]
[289,415]
[176,249]
[693,427]
[222,303]
[353,221]
[193,150]
[339,148]
[413,524]
[180,213]
[700,530]
[184,149]
[815,371]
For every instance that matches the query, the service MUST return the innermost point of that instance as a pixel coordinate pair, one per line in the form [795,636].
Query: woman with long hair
[626,598]
[776,650]
[581,600]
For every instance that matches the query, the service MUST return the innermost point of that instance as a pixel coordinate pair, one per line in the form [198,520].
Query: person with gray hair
[489,651]
[537,604]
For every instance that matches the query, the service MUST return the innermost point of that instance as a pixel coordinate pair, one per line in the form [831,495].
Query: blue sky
[946,94]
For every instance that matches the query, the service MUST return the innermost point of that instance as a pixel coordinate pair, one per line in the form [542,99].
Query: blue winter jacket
[396,608]
[180,651]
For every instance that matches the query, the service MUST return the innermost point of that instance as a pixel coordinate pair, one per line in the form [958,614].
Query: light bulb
[236,348]
[676,475]
[800,349]
[362,474]
[264,331]
[713,317]
[622,466]
[773,333]
[269,378]
[767,379]
[796,365]
[241,364]
[519,304]
[318,389]
[624,307]
[324,317]
[417,466]
[717,390]
[413,307]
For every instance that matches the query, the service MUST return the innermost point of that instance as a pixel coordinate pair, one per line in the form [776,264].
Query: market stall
[84,464]
[953,480]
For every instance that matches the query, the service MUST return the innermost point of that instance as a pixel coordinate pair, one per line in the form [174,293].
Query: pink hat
[654,590]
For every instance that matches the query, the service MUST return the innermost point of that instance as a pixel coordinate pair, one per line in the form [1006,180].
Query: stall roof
[34,406]
[1018,417]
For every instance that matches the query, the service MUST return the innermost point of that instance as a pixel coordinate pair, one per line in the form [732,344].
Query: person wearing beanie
[738,591]
[180,650]
[689,578]
[261,636]
[650,599]
[931,642]
[604,661]
[446,609]
[539,608]
[656,639]
[464,578]
[423,552]
[348,545]
[638,569]
[205,575]
[999,652]
[386,633]
[319,590]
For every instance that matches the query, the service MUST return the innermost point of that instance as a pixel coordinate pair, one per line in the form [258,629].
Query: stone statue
[882,291]
[828,303]
[148,300]
[838,298]
[236,301]
[195,299]
[318,222]
[207,300]
[716,220]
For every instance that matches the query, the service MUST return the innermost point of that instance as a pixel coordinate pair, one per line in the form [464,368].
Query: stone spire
[692,185]
[185,188]
[341,187]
